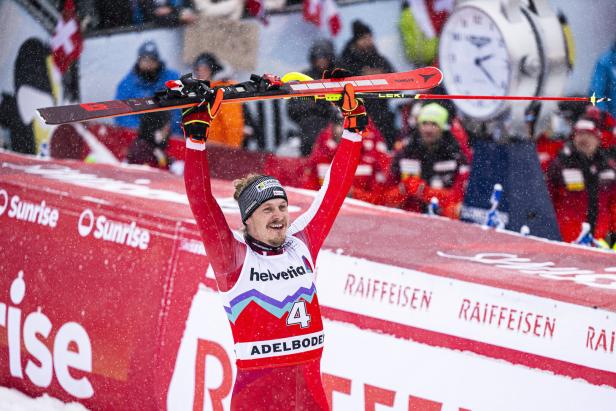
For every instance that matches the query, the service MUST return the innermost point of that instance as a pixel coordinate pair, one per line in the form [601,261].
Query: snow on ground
[13,400]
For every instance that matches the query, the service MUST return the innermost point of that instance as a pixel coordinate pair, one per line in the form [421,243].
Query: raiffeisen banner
[107,298]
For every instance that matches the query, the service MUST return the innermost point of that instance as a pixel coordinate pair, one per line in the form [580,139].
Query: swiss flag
[323,12]
[66,43]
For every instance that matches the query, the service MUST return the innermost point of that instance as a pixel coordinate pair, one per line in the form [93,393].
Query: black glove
[196,120]
[353,109]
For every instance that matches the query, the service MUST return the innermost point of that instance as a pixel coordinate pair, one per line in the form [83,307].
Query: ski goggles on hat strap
[258,192]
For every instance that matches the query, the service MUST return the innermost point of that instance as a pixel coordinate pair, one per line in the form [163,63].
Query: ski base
[420,79]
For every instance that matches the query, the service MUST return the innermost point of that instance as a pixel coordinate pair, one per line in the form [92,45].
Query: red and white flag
[431,15]
[67,43]
[321,13]
[256,8]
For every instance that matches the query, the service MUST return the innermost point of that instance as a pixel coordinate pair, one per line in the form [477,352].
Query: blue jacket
[133,86]
[603,82]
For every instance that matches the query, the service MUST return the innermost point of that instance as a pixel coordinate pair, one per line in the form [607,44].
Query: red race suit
[269,295]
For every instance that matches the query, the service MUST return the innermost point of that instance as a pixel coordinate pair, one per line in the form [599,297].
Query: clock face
[475,60]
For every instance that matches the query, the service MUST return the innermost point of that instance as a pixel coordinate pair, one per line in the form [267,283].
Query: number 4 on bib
[299,315]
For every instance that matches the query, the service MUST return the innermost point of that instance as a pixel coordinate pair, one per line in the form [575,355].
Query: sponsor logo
[600,339]
[114,231]
[283,346]
[338,84]
[284,275]
[507,318]
[479,41]
[543,269]
[287,346]
[307,264]
[264,185]
[4,201]
[388,292]
[480,215]
[72,349]
[37,213]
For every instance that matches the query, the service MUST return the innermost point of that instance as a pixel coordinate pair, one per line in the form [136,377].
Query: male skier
[266,273]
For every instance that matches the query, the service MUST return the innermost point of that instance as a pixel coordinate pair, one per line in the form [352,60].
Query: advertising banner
[107,298]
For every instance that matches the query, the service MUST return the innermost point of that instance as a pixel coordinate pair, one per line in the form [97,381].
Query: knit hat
[149,49]
[360,29]
[434,113]
[209,60]
[258,192]
[586,124]
[322,48]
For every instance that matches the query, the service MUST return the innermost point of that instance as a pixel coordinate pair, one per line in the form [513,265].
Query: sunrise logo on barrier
[71,344]
[38,213]
[4,201]
[114,231]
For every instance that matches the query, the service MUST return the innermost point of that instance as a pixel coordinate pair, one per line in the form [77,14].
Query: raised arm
[224,251]
[314,225]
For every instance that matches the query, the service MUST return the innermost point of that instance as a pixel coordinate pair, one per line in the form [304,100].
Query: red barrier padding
[104,299]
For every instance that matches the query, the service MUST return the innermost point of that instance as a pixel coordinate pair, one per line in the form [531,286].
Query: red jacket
[547,150]
[418,174]
[371,171]
[582,190]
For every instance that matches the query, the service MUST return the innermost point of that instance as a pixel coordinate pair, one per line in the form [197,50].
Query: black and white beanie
[258,192]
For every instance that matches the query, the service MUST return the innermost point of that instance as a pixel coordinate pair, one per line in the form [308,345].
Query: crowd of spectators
[428,158]
[411,155]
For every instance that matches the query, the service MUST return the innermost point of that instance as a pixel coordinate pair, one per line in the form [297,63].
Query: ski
[189,92]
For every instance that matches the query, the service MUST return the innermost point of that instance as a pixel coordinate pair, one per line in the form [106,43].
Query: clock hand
[478,63]
[480,60]
[487,73]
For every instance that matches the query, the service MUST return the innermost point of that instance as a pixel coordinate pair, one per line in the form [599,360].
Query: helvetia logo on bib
[307,265]
[115,231]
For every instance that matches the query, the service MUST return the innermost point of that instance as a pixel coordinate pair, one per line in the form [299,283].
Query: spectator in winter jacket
[313,116]
[603,82]
[551,141]
[430,164]
[361,57]
[582,183]
[371,172]
[228,128]
[164,12]
[152,140]
[147,76]
[360,51]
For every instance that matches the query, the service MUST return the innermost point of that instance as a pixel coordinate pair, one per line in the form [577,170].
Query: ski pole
[433,208]
[493,219]
[370,96]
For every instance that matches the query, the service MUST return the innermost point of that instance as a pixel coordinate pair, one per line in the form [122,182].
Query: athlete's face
[269,222]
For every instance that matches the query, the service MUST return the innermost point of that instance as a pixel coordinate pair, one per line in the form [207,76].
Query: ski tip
[41,114]
[593,99]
